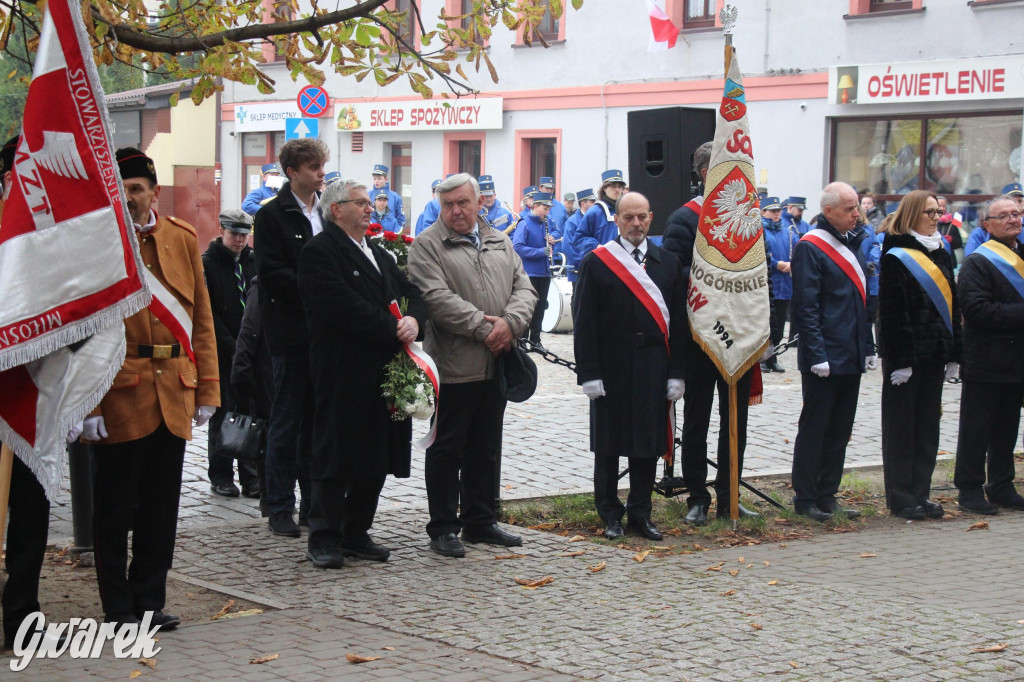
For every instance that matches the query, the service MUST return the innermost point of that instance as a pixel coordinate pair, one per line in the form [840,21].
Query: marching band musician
[534,240]
[498,216]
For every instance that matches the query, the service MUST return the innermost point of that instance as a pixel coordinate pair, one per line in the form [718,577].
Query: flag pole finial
[728,19]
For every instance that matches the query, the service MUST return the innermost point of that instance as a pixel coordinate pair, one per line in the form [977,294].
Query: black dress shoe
[1011,501]
[697,516]
[368,550]
[915,513]
[282,523]
[613,530]
[814,514]
[491,535]
[836,511]
[538,346]
[120,619]
[163,621]
[978,505]
[227,489]
[644,528]
[251,489]
[774,366]
[933,510]
[326,557]
[744,513]
[448,545]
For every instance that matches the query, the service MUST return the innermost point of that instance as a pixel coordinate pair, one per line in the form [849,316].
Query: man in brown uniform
[144,420]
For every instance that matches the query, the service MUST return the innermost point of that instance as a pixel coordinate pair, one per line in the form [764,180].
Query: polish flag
[663,31]
[958,220]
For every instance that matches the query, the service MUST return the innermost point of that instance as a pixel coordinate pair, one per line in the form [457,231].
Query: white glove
[74,433]
[901,376]
[768,353]
[203,414]
[821,369]
[871,362]
[593,389]
[94,428]
[676,389]
[952,369]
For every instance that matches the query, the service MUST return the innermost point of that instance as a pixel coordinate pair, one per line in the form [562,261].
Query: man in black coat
[283,226]
[992,365]
[229,265]
[629,361]
[347,286]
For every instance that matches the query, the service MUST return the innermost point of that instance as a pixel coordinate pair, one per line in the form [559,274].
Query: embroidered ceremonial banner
[931,279]
[69,266]
[727,300]
[1006,261]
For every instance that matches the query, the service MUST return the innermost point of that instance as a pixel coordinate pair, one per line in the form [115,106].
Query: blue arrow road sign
[296,128]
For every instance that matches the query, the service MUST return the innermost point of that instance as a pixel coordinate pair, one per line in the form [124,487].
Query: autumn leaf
[980,525]
[134,674]
[388,648]
[756,626]
[148,661]
[699,548]
[734,572]
[577,538]
[598,568]
[542,526]
[741,560]
[242,613]
[510,556]
[867,555]
[793,663]
[767,563]
[579,553]
[355,658]
[224,609]
[728,593]
[773,582]
[265,659]
[990,649]
[639,558]
[534,584]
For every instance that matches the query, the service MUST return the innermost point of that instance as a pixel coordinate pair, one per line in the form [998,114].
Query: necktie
[637,256]
[473,239]
[241,283]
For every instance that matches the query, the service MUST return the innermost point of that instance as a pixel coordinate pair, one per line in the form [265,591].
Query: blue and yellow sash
[1006,261]
[931,279]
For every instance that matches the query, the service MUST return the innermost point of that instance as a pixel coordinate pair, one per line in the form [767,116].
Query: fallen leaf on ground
[510,556]
[148,661]
[741,560]
[577,538]
[728,593]
[265,659]
[599,567]
[224,609]
[509,486]
[980,525]
[134,674]
[355,658]
[867,555]
[990,649]
[767,563]
[756,626]
[542,526]
[734,572]
[534,584]
[388,648]
[699,548]
[579,553]
[793,663]
[714,568]
[244,612]
[782,522]
[749,566]
[1020,622]
[639,558]
[773,582]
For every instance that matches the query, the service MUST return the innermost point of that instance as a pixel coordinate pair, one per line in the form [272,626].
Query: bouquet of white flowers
[407,388]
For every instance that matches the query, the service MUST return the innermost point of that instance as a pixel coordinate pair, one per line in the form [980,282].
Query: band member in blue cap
[526,203]
[598,224]
[272,182]
[781,241]
[430,212]
[534,240]
[333,176]
[558,215]
[381,213]
[585,199]
[380,181]
[498,216]
[793,216]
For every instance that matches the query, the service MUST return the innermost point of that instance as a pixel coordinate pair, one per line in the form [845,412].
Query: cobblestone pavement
[546,445]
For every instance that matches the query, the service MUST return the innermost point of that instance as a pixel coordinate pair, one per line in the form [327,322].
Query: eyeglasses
[361,203]
[932,212]
[1003,217]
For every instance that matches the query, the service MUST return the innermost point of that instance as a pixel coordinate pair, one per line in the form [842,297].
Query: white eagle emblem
[59,155]
[738,214]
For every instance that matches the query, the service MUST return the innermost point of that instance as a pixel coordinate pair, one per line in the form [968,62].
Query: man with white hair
[480,301]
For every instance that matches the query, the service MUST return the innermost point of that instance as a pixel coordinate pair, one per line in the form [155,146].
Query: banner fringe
[747,364]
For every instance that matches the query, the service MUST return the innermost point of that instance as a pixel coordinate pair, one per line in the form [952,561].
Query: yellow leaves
[734,572]
[773,582]
[543,526]
[579,553]
[264,659]
[990,649]
[528,584]
[134,674]
[224,609]
[980,525]
[577,538]
[728,593]
[756,626]
[639,558]
[355,658]
[793,663]
[243,613]
[597,568]
[867,555]
[510,556]
[388,648]
[716,567]
[148,661]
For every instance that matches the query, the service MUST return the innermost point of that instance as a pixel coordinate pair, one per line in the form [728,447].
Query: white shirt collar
[148,227]
[367,251]
[629,247]
[312,214]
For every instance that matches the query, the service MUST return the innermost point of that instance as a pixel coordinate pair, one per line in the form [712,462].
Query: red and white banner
[69,265]
[727,301]
[663,32]
[426,363]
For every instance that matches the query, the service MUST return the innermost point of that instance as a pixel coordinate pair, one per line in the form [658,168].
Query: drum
[558,314]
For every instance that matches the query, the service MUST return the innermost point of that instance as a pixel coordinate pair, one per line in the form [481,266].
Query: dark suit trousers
[910,433]
[342,510]
[826,422]
[702,377]
[989,419]
[606,487]
[541,284]
[780,311]
[289,432]
[26,547]
[460,465]
[137,486]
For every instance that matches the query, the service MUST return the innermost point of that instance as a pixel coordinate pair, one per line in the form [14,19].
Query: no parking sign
[313,101]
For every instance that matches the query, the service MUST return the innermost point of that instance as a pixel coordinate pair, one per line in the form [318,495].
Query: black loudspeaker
[661,146]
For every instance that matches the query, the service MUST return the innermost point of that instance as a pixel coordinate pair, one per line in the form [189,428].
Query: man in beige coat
[480,300]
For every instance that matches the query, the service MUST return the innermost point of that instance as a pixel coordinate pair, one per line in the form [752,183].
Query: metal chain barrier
[532,347]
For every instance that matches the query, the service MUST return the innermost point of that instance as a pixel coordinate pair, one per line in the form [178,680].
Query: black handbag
[241,437]
[517,375]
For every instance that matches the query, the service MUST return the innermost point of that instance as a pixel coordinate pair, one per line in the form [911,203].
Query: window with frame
[887,5]
[280,11]
[543,158]
[406,25]
[699,14]
[548,26]
[470,157]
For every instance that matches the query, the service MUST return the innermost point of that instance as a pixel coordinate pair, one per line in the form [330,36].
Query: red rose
[407,239]
[374,229]
[390,236]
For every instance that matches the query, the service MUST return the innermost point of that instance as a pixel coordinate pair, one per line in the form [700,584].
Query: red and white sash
[170,313]
[425,363]
[622,265]
[841,255]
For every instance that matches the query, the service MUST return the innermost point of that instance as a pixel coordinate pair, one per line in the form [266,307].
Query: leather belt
[640,340]
[156,352]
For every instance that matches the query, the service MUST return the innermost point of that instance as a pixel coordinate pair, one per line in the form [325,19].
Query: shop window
[966,158]
[538,154]
[464,153]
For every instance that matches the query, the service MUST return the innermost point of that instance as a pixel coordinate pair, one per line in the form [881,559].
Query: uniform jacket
[387,221]
[781,241]
[429,216]
[979,236]
[557,215]
[461,284]
[252,376]
[498,216]
[827,308]
[911,331]
[618,341]
[801,227]
[395,206]
[225,300]
[572,258]
[529,242]
[148,391]
[253,201]
[871,249]
[595,228]
[993,313]
[280,232]
[351,339]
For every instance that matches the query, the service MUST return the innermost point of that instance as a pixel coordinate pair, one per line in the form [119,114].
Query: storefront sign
[251,118]
[461,114]
[938,81]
